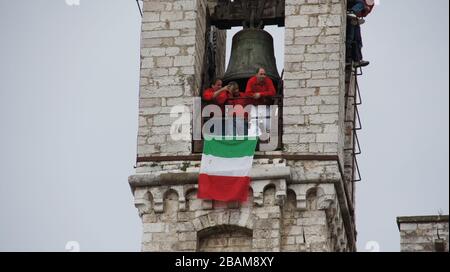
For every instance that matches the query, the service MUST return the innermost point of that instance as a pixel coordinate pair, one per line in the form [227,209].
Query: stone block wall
[314,96]
[277,217]
[423,233]
[314,76]
[172,58]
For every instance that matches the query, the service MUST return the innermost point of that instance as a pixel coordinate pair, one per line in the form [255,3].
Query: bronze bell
[251,48]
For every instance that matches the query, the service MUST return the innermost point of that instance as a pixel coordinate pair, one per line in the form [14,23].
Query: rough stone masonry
[423,233]
[300,199]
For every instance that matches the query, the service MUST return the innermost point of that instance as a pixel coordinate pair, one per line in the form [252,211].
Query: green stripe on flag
[230,148]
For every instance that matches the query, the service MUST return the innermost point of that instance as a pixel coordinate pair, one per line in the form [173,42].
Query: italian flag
[225,168]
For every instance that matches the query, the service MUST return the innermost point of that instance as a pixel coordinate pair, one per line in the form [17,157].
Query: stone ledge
[258,173]
[422,219]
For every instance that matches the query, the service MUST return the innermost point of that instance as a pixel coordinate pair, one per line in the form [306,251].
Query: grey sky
[68,122]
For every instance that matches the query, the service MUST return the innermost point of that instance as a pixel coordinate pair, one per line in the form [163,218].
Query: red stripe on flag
[223,188]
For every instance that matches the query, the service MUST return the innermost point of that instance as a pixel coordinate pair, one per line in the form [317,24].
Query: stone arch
[290,231]
[192,202]
[326,199]
[170,201]
[149,199]
[269,195]
[191,193]
[312,195]
[157,193]
[240,218]
[143,201]
[249,202]
[291,200]
[189,189]
[225,238]
[317,199]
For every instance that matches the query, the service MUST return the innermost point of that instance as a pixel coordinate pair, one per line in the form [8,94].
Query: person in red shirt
[260,86]
[216,94]
[237,98]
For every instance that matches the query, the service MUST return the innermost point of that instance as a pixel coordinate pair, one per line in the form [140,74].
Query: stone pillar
[314,109]
[172,55]
[314,77]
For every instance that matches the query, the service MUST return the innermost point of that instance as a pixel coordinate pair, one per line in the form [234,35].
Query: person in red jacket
[260,86]
[216,93]
[237,98]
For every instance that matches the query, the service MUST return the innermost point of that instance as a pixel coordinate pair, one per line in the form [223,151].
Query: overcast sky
[68,122]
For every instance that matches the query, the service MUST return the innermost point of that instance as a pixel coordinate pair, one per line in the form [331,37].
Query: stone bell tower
[302,194]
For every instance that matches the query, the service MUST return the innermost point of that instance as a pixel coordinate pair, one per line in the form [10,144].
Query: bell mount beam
[228,14]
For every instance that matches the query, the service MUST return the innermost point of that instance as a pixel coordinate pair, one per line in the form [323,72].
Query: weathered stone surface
[424,233]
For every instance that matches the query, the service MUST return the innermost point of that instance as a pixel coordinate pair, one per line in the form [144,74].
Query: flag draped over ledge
[225,169]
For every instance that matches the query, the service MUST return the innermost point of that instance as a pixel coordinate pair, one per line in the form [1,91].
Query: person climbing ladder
[356,11]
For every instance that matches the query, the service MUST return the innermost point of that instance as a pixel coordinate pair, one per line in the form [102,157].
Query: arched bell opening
[252,47]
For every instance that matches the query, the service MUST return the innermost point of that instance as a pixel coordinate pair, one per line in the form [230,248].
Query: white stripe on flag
[230,167]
